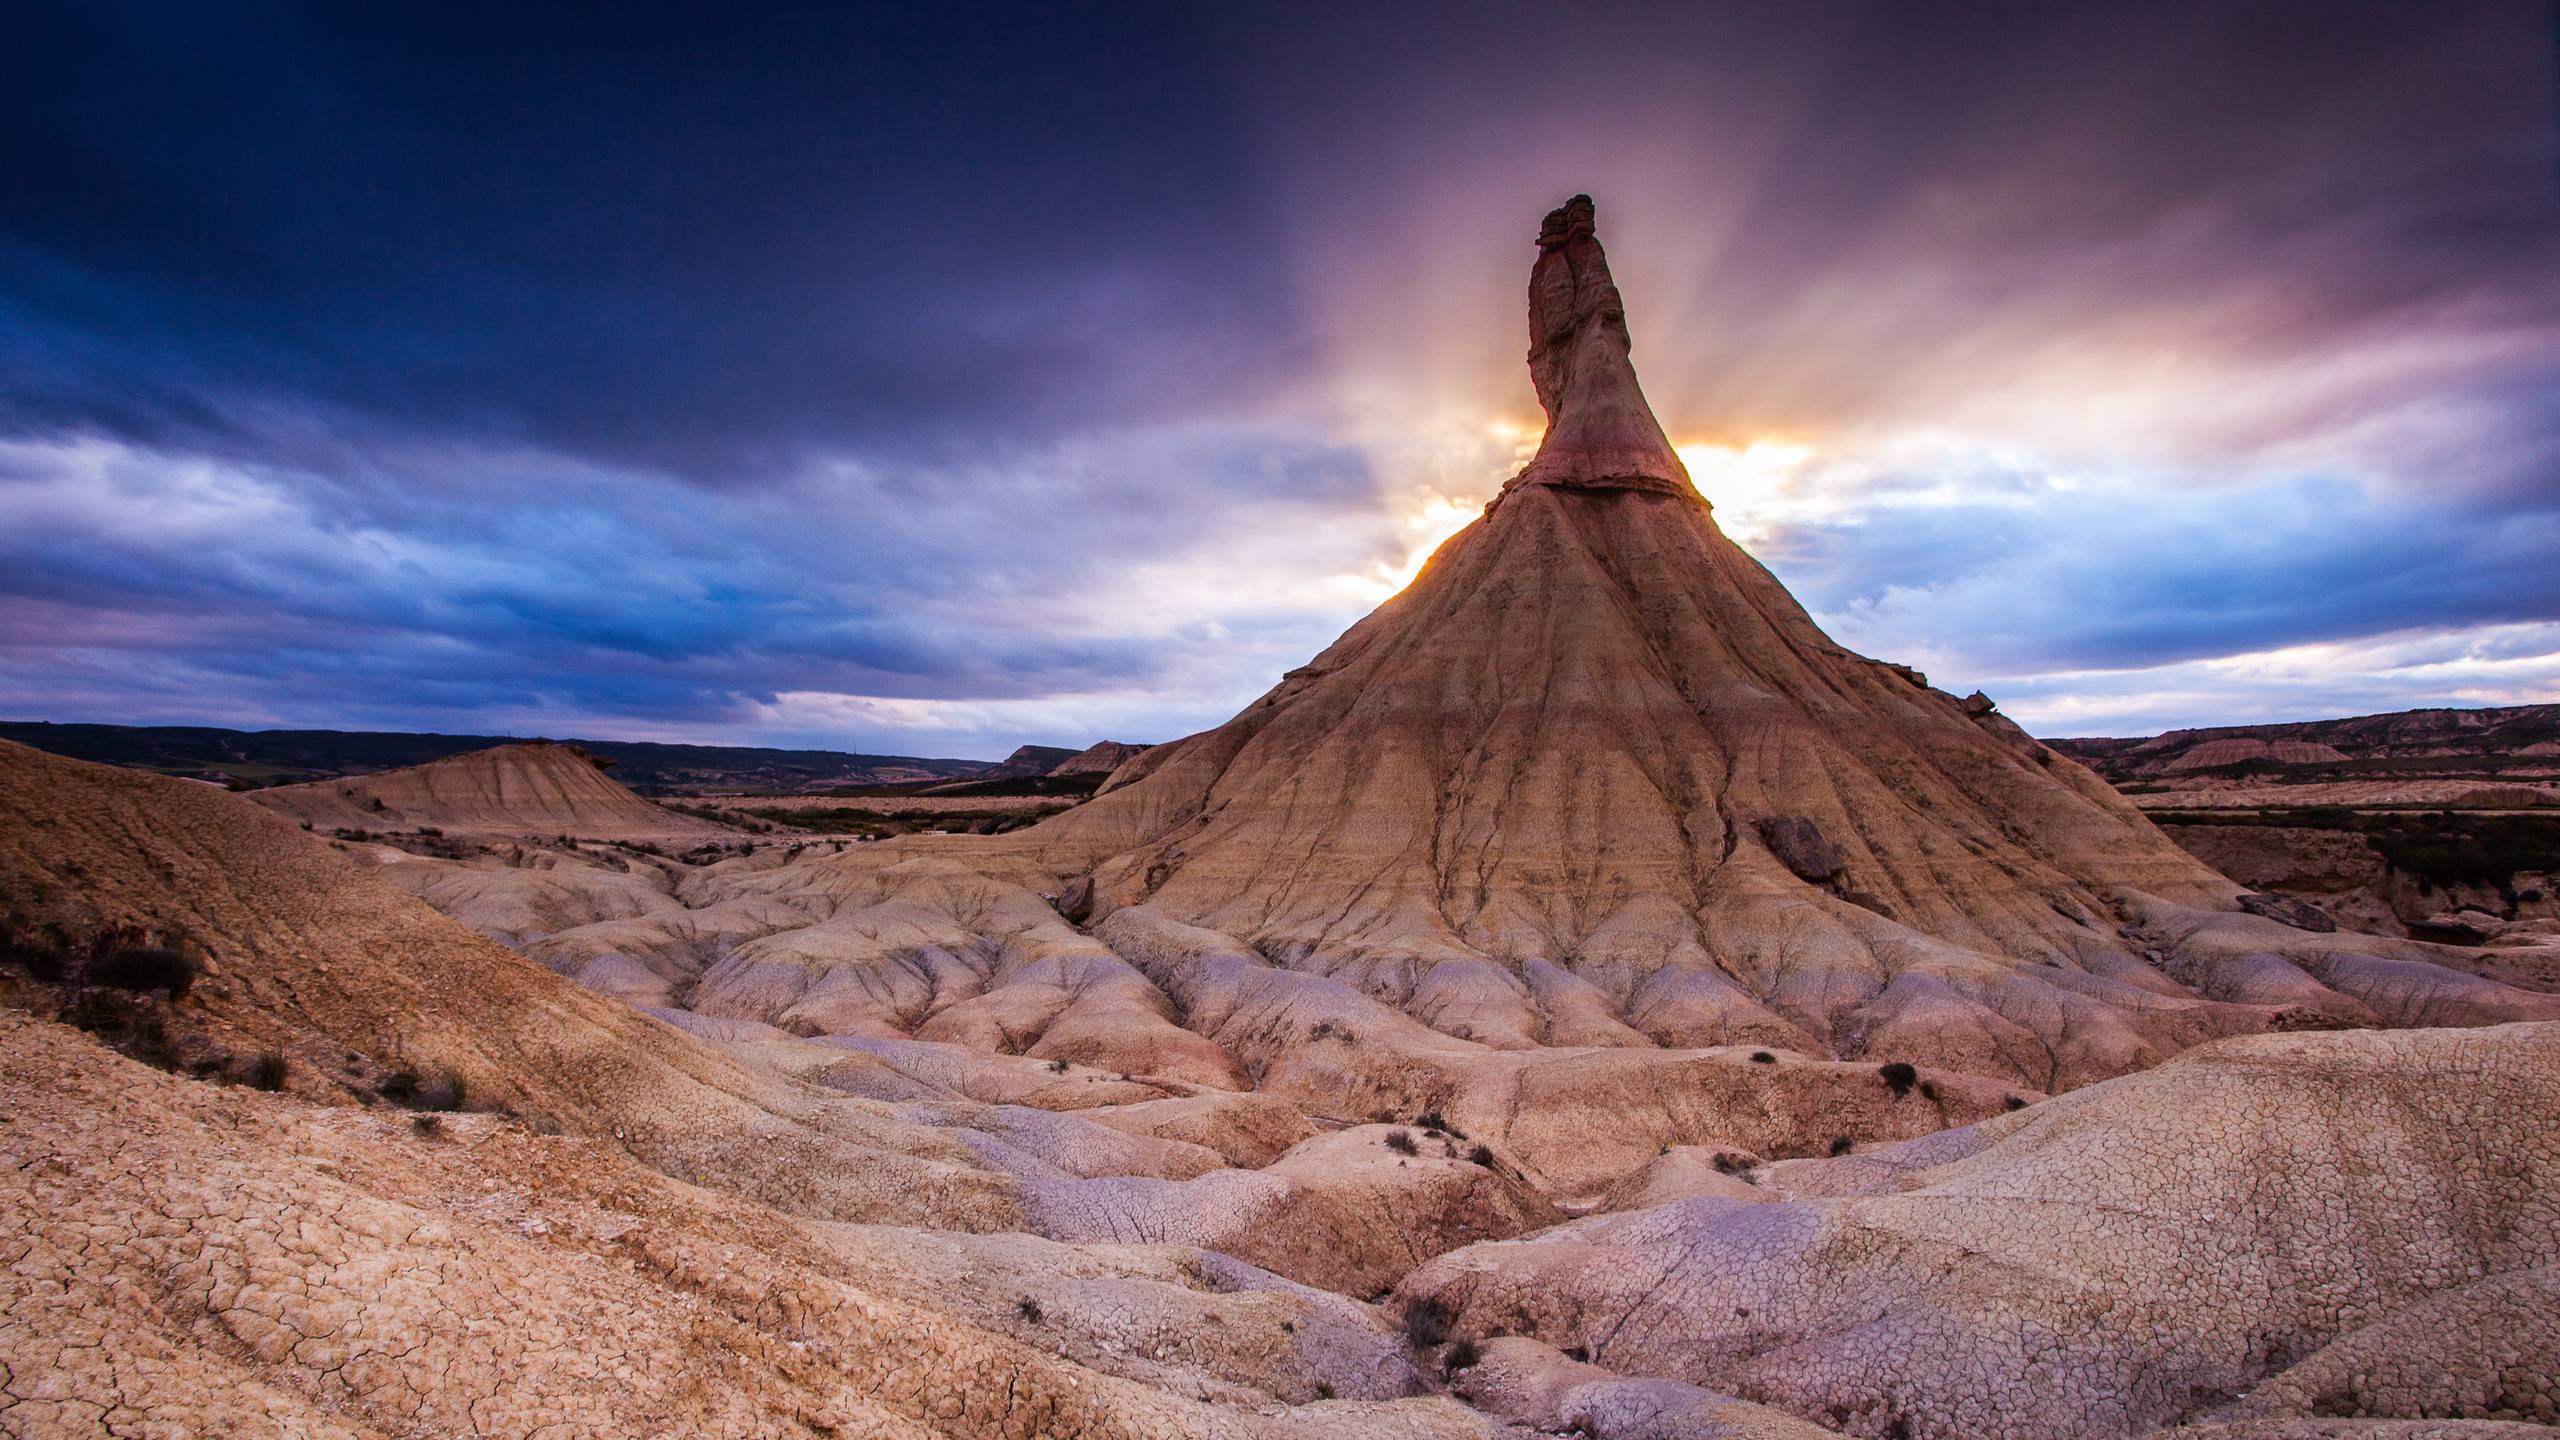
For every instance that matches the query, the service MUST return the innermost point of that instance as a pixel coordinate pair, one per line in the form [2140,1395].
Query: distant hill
[1100,758]
[536,788]
[2404,742]
[2438,824]
[1030,760]
[281,757]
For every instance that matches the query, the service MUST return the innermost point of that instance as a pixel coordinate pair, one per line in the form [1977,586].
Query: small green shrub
[1401,1142]
[1426,1323]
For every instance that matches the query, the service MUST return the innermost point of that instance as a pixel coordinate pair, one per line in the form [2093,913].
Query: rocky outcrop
[1601,435]
[2347,875]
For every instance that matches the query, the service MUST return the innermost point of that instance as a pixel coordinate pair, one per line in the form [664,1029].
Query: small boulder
[2285,910]
[2463,927]
[1799,845]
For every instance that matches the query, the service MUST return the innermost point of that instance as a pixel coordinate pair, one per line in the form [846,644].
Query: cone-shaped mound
[1594,725]
[1592,711]
[536,788]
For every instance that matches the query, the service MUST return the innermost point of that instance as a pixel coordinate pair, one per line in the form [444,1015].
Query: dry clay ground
[636,1229]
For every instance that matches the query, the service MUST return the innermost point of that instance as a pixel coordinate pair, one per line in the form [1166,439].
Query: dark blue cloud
[867,375]
[622,231]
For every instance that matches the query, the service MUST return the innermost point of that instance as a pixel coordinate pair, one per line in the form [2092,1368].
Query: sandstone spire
[1601,435]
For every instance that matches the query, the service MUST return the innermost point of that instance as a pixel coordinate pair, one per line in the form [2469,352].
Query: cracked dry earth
[715,1227]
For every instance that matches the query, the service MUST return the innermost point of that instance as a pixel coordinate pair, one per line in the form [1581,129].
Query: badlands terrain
[1585,999]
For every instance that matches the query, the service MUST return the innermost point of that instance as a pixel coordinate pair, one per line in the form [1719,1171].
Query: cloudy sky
[946,378]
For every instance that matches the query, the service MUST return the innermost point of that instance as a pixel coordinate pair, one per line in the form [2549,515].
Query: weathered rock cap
[1601,434]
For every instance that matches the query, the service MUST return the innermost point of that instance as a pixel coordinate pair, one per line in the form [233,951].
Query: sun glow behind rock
[1426,530]
[1754,486]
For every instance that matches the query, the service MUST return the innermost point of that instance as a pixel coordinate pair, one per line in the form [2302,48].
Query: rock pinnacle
[1601,435]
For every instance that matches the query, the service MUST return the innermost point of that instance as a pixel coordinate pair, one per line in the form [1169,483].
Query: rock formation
[1596,778]
[2211,753]
[1584,991]
[2487,735]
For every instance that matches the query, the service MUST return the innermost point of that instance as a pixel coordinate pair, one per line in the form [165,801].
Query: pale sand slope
[955,944]
[2272,1227]
[535,789]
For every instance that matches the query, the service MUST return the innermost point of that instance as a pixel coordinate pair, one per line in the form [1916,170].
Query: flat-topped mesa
[1601,435]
